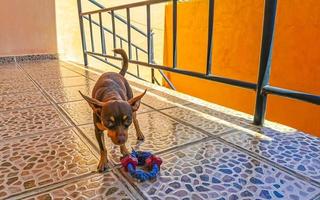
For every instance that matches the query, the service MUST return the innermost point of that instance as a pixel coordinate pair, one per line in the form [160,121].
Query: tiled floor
[48,148]
[99,186]
[212,170]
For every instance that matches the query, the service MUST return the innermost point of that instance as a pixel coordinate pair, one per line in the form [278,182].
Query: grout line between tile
[6,140]
[25,108]
[6,94]
[171,149]
[188,124]
[48,88]
[134,191]
[46,188]
[130,186]
[316,197]
[158,109]
[185,145]
[51,78]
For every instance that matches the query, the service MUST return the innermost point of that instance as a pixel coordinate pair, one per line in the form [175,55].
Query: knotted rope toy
[141,158]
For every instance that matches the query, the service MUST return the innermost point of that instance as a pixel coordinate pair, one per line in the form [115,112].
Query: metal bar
[265,60]
[167,80]
[91,34]
[122,38]
[151,47]
[119,18]
[174,32]
[113,31]
[137,58]
[129,33]
[210,34]
[120,43]
[229,81]
[103,42]
[131,5]
[149,41]
[83,37]
[292,94]
[156,81]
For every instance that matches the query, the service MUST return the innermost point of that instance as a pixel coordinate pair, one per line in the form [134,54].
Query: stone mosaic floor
[48,149]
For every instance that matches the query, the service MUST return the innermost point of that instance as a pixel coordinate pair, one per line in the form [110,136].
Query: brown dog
[114,109]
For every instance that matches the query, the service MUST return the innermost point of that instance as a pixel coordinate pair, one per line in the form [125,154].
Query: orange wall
[27,27]
[236,50]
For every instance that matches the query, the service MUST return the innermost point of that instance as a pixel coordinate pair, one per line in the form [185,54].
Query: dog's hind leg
[139,133]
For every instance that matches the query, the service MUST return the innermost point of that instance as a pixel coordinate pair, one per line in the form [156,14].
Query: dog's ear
[93,103]
[135,101]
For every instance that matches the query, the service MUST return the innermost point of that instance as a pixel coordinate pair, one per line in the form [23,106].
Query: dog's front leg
[139,133]
[123,149]
[102,166]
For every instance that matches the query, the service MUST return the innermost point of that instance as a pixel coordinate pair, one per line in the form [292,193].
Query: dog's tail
[124,60]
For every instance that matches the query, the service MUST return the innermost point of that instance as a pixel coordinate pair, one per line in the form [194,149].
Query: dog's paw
[103,165]
[124,151]
[140,137]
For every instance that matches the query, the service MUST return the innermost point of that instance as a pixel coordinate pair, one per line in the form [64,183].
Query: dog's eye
[110,125]
[127,123]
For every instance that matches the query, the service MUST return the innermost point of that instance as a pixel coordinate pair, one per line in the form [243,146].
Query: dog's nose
[121,139]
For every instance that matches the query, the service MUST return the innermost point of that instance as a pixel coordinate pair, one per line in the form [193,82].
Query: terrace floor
[48,150]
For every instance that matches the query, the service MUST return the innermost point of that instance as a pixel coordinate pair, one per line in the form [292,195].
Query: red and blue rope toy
[142,158]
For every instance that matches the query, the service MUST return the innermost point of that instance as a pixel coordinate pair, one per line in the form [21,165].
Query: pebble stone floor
[48,149]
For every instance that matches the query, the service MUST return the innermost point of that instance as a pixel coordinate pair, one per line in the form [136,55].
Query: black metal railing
[122,40]
[262,87]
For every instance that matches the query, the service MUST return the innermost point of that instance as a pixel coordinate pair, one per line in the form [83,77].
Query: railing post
[129,33]
[174,33]
[152,55]
[210,33]
[113,31]
[137,59]
[103,41]
[265,60]
[91,34]
[83,38]
[151,48]
[149,41]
